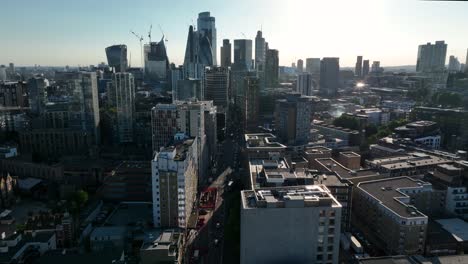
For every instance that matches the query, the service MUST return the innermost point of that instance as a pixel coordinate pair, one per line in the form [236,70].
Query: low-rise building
[165,248]
[108,238]
[263,146]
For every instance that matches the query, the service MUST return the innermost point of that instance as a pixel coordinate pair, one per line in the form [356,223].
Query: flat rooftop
[414,159]
[332,165]
[457,227]
[289,197]
[262,140]
[390,193]
[166,240]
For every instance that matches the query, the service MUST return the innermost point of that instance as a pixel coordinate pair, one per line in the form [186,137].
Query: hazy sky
[76,32]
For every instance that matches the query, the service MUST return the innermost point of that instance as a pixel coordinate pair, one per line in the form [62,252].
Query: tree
[346,122]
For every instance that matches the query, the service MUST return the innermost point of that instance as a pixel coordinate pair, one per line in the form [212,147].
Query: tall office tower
[454,64]
[117,57]
[375,66]
[243,54]
[431,57]
[84,102]
[12,68]
[157,62]
[176,75]
[250,103]
[271,68]
[358,68]
[3,73]
[300,66]
[306,221]
[216,87]
[365,68]
[305,84]
[293,118]
[329,76]
[123,97]
[466,63]
[226,51]
[260,52]
[293,65]
[37,87]
[174,180]
[313,65]
[163,124]
[189,89]
[207,28]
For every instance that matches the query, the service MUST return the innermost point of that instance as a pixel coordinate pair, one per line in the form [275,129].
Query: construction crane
[149,32]
[140,38]
[243,34]
[162,32]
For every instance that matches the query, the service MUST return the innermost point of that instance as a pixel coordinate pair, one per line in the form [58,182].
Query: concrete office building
[358,67]
[122,96]
[163,124]
[365,68]
[260,52]
[174,179]
[385,211]
[117,57]
[13,94]
[243,54]
[271,68]
[290,225]
[226,53]
[206,26]
[329,76]
[37,93]
[217,87]
[293,119]
[305,84]
[300,66]
[313,65]
[431,57]
[189,89]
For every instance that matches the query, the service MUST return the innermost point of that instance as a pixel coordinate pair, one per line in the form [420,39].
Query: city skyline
[388,31]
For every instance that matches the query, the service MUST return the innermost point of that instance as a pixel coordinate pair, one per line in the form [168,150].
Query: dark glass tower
[117,57]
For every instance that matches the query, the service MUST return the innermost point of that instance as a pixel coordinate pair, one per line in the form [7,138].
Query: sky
[76,32]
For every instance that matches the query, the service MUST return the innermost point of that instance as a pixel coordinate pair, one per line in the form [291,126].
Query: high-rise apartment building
[216,87]
[466,63]
[271,68]
[83,105]
[226,53]
[300,66]
[243,54]
[431,57]
[206,26]
[313,65]
[290,225]
[329,76]
[122,95]
[365,68]
[37,94]
[117,57]
[293,119]
[164,125]
[305,84]
[174,180]
[358,67]
[260,52]
[454,64]
[3,73]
